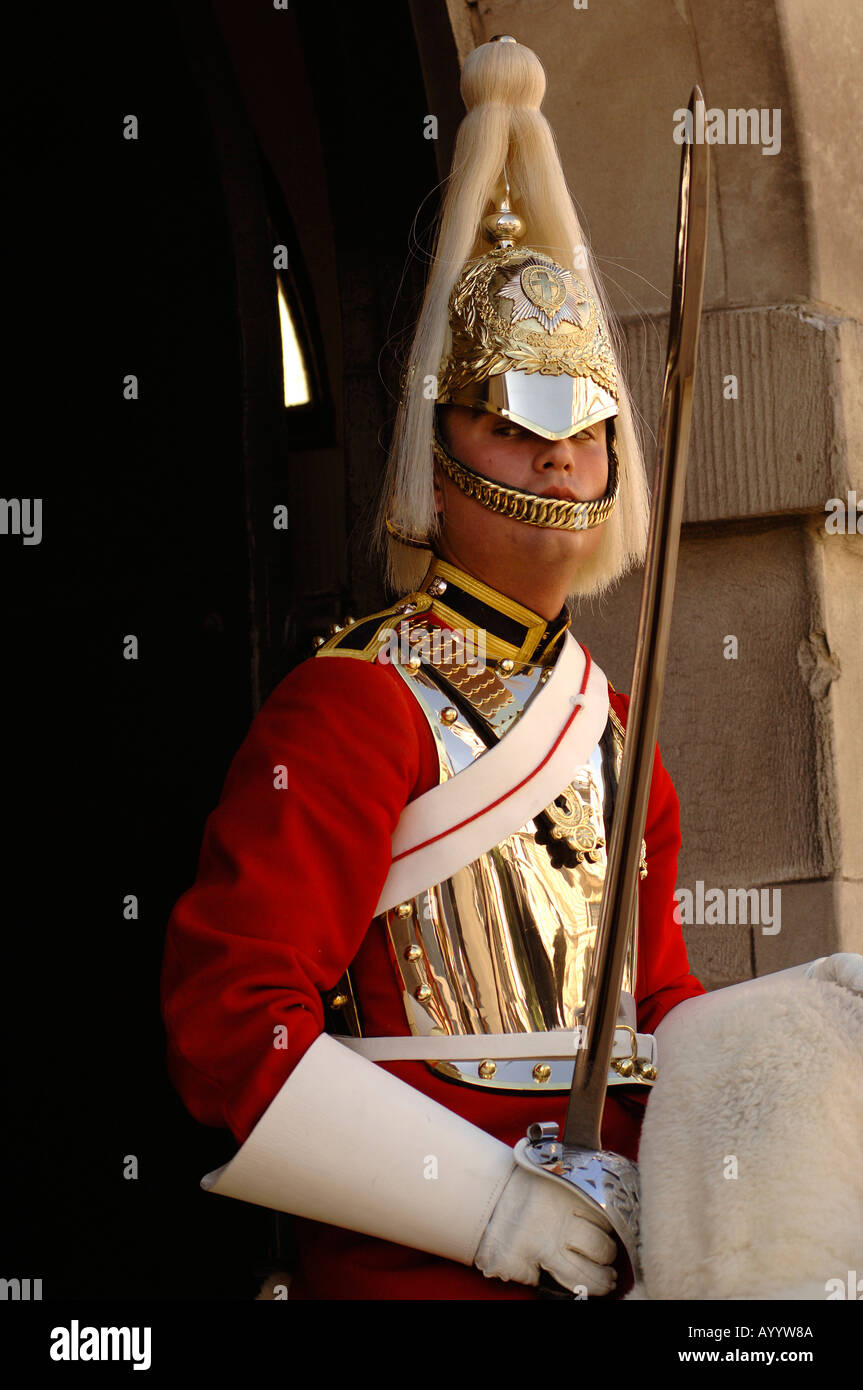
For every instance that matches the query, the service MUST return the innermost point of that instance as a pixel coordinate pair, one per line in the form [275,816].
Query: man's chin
[566,548]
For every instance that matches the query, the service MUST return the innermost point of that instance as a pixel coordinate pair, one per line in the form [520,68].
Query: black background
[127,257]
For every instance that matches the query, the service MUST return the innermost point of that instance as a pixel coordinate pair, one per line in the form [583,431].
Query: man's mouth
[564,493]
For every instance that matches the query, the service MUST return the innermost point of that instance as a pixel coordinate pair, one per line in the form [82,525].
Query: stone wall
[764,745]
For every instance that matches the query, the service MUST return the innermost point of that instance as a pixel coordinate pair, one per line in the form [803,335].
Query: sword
[607,1181]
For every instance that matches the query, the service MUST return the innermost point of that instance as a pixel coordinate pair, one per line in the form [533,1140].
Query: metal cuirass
[504,946]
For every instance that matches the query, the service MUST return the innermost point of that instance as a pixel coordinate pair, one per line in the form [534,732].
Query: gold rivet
[414,663]
[541,1072]
[350,621]
[647,1070]
[437,587]
[449,715]
[487,1070]
[318,642]
[412,952]
[404,910]
[338,1001]
[408,608]
[624,1066]
[507,666]
[334,628]
[422,993]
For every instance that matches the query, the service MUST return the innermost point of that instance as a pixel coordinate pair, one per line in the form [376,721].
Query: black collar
[513,632]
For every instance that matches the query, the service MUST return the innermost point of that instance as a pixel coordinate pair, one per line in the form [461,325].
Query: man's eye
[508,429]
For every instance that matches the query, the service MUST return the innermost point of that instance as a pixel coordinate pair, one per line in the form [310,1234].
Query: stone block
[738,735]
[791,439]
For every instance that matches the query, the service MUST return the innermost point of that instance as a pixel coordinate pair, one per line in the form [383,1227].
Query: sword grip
[549,1288]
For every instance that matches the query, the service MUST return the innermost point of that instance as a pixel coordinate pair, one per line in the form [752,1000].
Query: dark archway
[291,126]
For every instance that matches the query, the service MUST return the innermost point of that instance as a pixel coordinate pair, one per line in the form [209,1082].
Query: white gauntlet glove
[537,1224]
[347,1143]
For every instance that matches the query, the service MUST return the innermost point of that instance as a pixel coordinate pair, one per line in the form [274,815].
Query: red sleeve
[664,978]
[288,880]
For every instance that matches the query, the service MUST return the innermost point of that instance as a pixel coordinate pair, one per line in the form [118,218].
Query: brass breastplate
[505,944]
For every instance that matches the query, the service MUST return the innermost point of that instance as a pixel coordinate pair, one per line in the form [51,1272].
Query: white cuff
[346,1143]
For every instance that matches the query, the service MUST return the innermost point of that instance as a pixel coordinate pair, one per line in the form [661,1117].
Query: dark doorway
[254,128]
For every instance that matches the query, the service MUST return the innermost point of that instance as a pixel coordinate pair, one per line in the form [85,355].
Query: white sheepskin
[772,1076]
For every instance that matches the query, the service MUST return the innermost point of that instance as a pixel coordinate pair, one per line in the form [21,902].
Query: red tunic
[287,883]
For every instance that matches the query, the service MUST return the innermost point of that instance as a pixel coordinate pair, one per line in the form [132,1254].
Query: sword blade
[587,1097]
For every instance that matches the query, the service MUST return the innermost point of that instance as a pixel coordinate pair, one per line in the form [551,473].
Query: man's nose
[558,455]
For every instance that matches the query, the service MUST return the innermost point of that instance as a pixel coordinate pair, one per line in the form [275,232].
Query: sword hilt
[605,1182]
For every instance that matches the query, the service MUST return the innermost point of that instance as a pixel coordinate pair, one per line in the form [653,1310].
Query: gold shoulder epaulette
[363,638]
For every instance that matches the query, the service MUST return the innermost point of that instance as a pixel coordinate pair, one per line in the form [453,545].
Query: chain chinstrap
[556,513]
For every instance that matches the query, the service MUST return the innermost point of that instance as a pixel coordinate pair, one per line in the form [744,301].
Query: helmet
[519,330]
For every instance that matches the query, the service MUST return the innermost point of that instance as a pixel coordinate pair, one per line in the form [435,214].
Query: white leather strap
[452,824]
[497,1046]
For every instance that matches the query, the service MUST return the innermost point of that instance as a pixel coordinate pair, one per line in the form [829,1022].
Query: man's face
[574,468]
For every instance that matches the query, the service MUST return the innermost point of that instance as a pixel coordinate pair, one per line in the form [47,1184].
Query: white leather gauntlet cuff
[346,1143]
